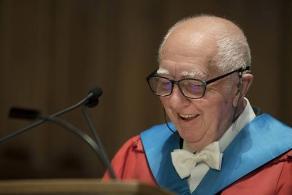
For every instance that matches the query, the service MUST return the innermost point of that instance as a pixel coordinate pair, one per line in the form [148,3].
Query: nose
[176,99]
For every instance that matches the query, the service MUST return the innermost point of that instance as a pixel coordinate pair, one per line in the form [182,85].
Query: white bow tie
[183,160]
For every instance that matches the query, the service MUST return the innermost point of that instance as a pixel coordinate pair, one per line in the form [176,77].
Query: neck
[239,109]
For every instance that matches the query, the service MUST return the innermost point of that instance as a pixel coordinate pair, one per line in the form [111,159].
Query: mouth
[188,117]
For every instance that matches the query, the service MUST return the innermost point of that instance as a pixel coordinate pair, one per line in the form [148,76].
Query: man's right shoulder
[135,143]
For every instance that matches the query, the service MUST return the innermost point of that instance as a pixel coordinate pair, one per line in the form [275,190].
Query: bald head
[223,41]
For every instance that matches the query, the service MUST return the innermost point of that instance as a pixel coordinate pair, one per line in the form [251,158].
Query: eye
[191,86]
[160,86]
[163,84]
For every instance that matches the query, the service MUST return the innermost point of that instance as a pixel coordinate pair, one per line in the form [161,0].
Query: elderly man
[215,144]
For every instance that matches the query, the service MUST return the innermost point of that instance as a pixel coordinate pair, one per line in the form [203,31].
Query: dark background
[53,51]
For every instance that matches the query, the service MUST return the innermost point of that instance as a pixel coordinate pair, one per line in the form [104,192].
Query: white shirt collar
[244,118]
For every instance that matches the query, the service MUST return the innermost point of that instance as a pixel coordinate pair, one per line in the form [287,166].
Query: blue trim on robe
[158,143]
[259,142]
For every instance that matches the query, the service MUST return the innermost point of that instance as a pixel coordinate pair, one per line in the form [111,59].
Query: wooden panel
[75,187]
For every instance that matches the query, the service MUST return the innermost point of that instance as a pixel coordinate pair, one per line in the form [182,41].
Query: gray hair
[233,50]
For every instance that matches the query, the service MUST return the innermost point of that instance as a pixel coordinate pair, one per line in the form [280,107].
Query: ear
[247,79]
[243,87]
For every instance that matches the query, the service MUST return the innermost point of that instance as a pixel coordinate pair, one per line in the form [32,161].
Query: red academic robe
[273,178]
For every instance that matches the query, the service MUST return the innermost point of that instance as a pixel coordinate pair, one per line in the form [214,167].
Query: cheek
[168,110]
[216,110]
[221,97]
[163,102]
[222,115]
[165,105]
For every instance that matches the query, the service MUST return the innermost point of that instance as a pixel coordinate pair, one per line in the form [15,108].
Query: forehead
[181,57]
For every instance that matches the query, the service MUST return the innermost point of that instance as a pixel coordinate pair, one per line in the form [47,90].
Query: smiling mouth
[188,117]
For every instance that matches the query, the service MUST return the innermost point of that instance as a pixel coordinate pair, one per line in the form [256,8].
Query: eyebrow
[162,71]
[184,74]
[193,74]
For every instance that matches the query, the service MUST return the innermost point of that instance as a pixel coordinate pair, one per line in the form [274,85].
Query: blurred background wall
[53,51]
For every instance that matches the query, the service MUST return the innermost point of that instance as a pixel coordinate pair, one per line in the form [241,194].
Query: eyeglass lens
[189,87]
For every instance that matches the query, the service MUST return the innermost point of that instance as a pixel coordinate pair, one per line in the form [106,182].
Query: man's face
[198,121]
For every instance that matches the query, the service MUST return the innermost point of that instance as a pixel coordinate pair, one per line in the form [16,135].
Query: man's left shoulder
[268,119]
[273,177]
[268,126]
[286,157]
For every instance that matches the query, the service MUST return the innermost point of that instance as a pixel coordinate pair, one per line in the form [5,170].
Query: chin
[190,135]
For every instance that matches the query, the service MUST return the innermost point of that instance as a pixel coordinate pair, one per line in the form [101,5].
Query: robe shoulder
[274,177]
[130,162]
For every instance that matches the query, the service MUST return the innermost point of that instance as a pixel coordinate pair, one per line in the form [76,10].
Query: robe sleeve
[130,163]
[284,184]
[273,178]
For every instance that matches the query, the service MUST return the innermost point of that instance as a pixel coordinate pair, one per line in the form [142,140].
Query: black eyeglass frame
[204,83]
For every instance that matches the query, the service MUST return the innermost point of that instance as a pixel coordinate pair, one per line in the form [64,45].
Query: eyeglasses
[189,87]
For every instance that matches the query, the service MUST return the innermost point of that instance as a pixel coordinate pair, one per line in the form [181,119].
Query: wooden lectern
[77,187]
